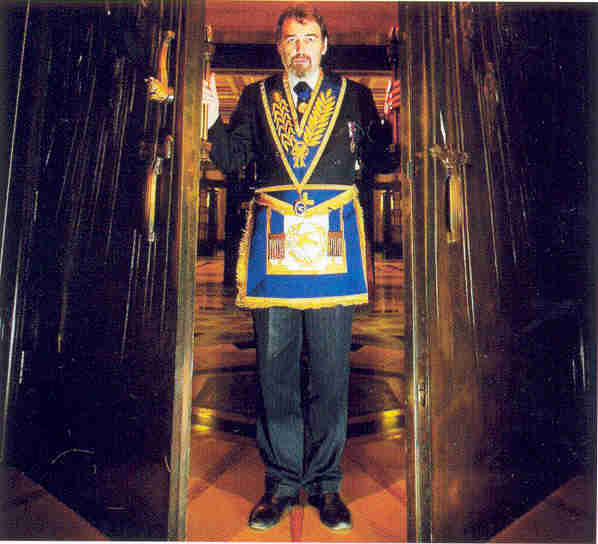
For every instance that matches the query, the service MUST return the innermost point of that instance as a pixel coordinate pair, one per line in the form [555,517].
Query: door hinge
[421,393]
[22,363]
[411,169]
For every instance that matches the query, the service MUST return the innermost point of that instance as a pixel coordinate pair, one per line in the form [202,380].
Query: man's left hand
[392,102]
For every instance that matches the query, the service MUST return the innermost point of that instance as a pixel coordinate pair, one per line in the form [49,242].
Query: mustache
[306,57]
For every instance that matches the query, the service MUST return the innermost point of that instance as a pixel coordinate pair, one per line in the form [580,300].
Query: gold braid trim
[243,260]
[362,244]
[318,187]
[253,303]
[284,208]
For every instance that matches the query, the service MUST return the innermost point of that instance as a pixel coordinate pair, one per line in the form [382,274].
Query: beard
[300,69]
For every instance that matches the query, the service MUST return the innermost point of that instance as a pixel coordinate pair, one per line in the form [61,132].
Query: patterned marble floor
[226,480]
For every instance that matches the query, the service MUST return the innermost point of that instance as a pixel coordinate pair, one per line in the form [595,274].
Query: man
[302,264]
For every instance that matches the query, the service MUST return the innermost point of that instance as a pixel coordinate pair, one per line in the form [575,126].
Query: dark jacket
[247,138]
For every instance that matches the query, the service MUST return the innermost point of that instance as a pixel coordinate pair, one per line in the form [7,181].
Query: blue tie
[303,91]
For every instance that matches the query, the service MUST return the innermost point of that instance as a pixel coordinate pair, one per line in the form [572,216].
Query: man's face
[301,46]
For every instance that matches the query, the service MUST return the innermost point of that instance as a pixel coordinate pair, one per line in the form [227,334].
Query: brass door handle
[452,161]
[157,88]
[164,152]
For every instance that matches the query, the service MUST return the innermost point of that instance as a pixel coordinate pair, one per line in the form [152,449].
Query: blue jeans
[301,429]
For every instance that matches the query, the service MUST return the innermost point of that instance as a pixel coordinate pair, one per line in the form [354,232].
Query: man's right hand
[210,99]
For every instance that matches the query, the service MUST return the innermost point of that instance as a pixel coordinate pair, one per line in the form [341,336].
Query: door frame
[190,67]
[417,355]
[188,144]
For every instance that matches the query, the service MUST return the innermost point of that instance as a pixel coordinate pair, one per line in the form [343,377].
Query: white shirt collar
[310,79]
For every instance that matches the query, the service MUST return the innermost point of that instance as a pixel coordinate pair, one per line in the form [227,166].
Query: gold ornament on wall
[453,161]
[467,31]
[490,91]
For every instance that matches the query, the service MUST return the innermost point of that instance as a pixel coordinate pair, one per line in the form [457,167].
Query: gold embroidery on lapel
[283,121]
[319,118]
[315,129]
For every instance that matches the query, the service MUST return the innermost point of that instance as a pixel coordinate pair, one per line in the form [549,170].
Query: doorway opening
[226,474]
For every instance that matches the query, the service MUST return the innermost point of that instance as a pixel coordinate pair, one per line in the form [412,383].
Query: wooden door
[103,213]
[477,391]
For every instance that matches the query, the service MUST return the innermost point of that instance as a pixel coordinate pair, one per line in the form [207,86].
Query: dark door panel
[494,424]
[93,402]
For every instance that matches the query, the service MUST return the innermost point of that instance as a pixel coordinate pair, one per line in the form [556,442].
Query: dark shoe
[270,510]
[333,511]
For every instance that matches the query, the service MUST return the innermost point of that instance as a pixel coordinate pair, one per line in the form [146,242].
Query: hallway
[226,476]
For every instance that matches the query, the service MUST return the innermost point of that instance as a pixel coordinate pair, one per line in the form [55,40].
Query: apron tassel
[275,246]
[335,244]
